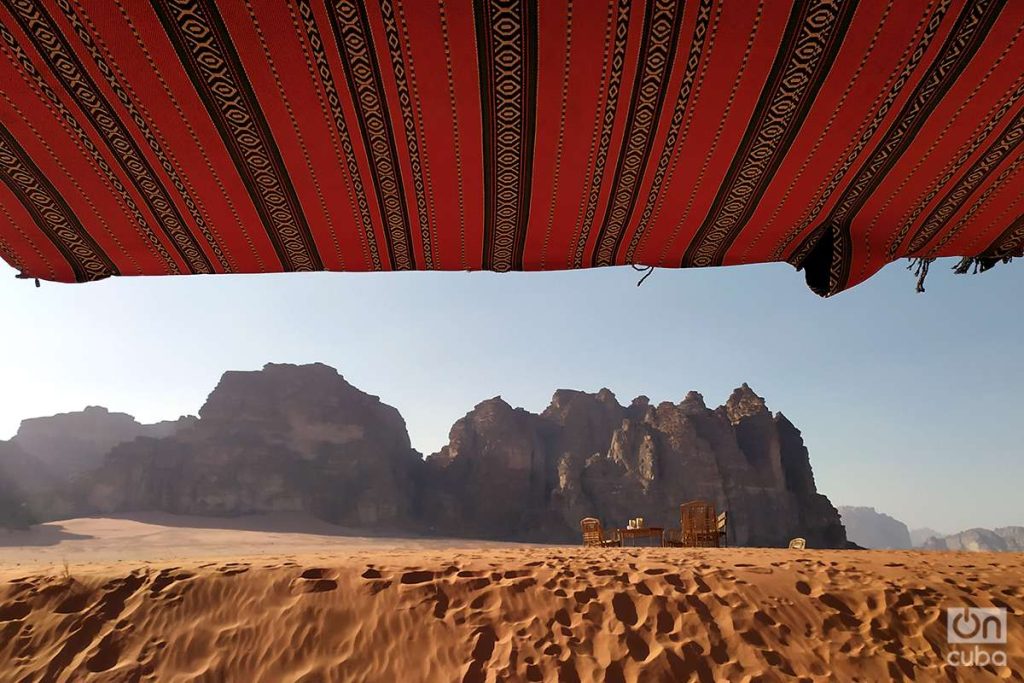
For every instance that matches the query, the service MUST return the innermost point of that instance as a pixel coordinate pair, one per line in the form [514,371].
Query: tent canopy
[194,136]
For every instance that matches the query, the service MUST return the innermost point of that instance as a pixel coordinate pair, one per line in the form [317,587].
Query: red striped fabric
[193,136]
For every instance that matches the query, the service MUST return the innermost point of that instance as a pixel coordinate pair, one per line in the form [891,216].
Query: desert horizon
[289,531]
[511,341]
[168,598]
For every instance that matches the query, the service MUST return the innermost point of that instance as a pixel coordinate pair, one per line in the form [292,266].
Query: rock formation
[69,444]
[507,473]
[919,536]
[48,457]
[14,506]
[875,530]
[287,438]
[301,438]
[1003,539]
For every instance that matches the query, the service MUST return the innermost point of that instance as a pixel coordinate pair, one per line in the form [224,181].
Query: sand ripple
[515,614]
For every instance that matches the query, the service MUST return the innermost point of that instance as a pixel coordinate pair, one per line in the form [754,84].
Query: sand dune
[373,610]
[161,537]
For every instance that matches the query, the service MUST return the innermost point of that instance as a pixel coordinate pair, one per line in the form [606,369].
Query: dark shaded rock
[874,530]
[30,488]
[301,438]
[49,456]
[15,512]
[286,438]
[507,473]
[23,471]
[69,444]
[489,479]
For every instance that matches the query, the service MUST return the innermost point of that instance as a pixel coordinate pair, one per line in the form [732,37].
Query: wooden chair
[721,525]
[699,524]
[593,534]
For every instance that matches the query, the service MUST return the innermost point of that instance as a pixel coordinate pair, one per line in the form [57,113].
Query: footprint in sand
[417,576]
[637,647]
[106,656]
[315,580]
[233,569]
[317,573]
[165,578]
[13,611]
[584,596]
[74,603]
[625,609]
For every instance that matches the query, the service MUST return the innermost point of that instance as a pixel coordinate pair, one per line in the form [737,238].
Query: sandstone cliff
[48,459]
[287,438]
[14,506]
[507,473]
[875,530]
[69,444]
[301,438]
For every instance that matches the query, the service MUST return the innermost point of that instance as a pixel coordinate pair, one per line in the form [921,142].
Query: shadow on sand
[50,533]
[279,522]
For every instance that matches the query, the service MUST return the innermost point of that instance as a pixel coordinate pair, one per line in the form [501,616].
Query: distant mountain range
[1003,539]
[919,536]
[869,528]
[301,438]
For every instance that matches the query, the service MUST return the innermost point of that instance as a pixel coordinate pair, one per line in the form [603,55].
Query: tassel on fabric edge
[965,264]
[920,267]
[980,263]
[23,276]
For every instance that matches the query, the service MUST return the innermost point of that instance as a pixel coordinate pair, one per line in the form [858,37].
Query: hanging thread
[649,269]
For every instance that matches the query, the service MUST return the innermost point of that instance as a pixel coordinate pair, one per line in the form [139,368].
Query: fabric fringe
[23,276]
[967,264]
[979,263]
[920,267]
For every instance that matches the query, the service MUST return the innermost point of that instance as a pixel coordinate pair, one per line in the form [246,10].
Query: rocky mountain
[69,444]
[47,457]
[301,438]
[508,473]
[1003,539]
[24,472]
[14,506]
[287,438]
[919,536]
[875,530]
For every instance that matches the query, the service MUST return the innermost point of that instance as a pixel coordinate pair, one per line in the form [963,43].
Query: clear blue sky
[909,403]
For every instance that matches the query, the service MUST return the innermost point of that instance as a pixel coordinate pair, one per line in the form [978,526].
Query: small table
[630,537]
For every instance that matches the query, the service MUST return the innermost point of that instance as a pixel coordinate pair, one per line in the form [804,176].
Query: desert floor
[285,599]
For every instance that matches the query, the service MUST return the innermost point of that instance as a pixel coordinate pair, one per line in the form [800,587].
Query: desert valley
[290,532]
